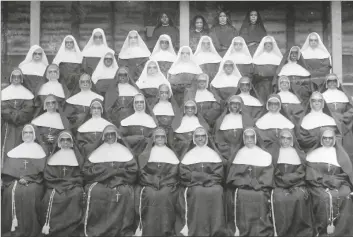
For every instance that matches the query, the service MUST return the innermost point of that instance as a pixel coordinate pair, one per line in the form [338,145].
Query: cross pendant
[202,167]
[112,164]
[285,168]
[250,169]
[328,167]
[64,170]
[25,163]
[141,131]
[335,105]
[158,165]
[95,135]
[117,196]
[235,132]
[15,103]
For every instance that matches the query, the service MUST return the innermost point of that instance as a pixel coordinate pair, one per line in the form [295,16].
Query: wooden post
[290,23]
[184,23]
[336,23]
[75,20]
[35,23]
[326,26]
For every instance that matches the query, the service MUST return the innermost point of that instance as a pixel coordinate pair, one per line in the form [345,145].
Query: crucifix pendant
[235,132]
[141,131]
[335,105]
[112,164]
[158,165]
[250,169]
[25,163]
[328,167]
[64,170]
[15,103]
[202,167]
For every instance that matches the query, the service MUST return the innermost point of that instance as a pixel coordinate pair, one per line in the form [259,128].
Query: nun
[110,173]
[34,67]
[157,190]
[163,52]
[94,50]
[78,106]
[23,188]
[266,59]
[134,54]
[64,189]
[207,56]
[69,59]
[317,58]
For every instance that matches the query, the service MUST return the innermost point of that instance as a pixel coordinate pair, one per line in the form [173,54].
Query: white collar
[67,56]
[250,100]
[163,155]
[139,51]
[201,155]
[30,150]
[267,58]
[84,98]
[323,155]
[188,124]
[293,69]
[319,53]
[253,156]
[232,121]
[108,153]
[103,72]
[29,67]
[316,119]
[203,57]
[185,67]
[288,156]
[147,81]
[94,125]
[95,51]
[163,55]
[126,89]
[49,120]
[52,87]
[242,57]
[17,92]
[204,95]
[274,120]
[335,96]
[163,108]
[288,97]
[139,119]
[65,157]
[223,80]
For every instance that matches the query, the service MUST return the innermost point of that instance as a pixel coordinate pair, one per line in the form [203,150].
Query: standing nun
[134,54]
[94,50]
[266,59]
[69,58]
[157,192]
[34,67]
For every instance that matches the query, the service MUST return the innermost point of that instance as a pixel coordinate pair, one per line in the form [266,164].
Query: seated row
[111,192]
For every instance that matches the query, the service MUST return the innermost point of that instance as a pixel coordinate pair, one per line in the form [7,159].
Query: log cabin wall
[347,41]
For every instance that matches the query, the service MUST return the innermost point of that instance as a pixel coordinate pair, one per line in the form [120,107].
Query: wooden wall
[347,40]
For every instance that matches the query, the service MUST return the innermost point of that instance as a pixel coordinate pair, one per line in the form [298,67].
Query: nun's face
[37,55]
[284,85]
[317,103]
[139,104]
[133,39]
[28,134]
[164,44]
[122,77]
[200,138]
[313,41]
[69,44]
[108,60]
[249,139]
[206,45]
[244,87]
[160,139]
[51,105]
[110,137]
[152,69]
[286,140]
[253,17]
[199,24]
[238,45]
[164,93]
[222,18]
[16,78]
[98,38]
[190,110]
[234,107]
[273,106]
[327,140]
[228,68]
[185,55]
[96,110]
[65,141]
[53,73]
[268,46]
[332,82]
[85,83]
[294,55]
[165,19]
[202,83]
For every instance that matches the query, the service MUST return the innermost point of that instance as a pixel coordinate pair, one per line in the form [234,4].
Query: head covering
[29,67]
[166,108]
[252,32]
[289,68]
[151,81]
[250,98]
[168,55]
[292,155]
[138,51]
[179,66]
[287,97]
[240,57]
[68,56]
[203,57]
[93,50]
[336,95]
[53,87]
[16,92]
[320,52]
[222,80]
[104,72]
[231,120]
[262,57]
[204,95]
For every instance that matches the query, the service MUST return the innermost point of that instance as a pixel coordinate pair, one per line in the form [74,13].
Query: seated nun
[103,76]
[208,104]
[157,191]
[150,80]
[164,53]
[341,108]
[33,68]
[249,182]
[22,186]
[182,73]
[64,189]
[94,50]
[200,201]
[134,54]
[238,52]
[118,101]
[69,59]
[291,104]
[138,127]
[110,173]
[270,124]
[316,116]
[329,175]
[293,66]
[17,109]
[77,106]
[317,58]
[50,122]
[292,208]
[184,125]
[89,133]
[228,130]
[207,57]
[225,83]
[266,59]
[252,101]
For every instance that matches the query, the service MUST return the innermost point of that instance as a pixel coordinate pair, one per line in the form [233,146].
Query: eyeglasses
[98,37]
[327,138]
[37,53]
[200,136]
[122,74]
[189,107]
[159,136]
[65,139]
[164,42]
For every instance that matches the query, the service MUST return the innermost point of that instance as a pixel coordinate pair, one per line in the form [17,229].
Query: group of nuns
[189,144]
